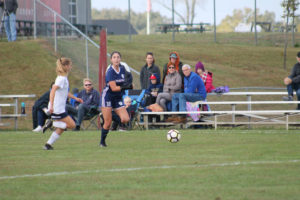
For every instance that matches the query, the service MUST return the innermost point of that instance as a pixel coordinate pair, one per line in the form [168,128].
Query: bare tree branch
[193,11]
[187,5]
[175,12]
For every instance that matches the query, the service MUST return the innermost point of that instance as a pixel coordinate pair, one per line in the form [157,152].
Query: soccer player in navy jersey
[112,95]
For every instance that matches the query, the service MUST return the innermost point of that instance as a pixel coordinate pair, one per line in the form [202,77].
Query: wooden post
[102,59]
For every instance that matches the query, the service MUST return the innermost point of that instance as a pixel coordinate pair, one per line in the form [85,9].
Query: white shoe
[46,111]
[38,129]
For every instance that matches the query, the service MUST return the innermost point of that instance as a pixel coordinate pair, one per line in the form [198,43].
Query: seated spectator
[154,89]
[131,112]
[175,61]
[40,111]
[293,82]
[91,100]
[194,90]
[173,84]
[206,77]
[147,70]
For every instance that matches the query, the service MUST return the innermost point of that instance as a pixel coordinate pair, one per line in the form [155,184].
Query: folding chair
[136,97]
[91,119]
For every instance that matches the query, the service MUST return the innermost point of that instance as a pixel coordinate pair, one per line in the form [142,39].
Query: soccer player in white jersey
[57,103]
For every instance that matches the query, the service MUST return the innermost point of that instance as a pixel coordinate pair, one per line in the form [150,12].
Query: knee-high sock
[53,138]
[116,118]
[104,133]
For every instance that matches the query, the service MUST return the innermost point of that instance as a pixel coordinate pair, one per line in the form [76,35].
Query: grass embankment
[27,67]
[235,65]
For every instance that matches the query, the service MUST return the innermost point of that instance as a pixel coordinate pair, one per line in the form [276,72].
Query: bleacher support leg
[216,122]
[287,121]
[146,122]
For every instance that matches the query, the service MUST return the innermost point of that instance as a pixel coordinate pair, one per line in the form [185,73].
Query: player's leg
[107,116]
[69,122]
[61,122]
[123,114]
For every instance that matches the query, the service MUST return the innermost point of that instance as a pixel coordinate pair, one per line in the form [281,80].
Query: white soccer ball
[173,136]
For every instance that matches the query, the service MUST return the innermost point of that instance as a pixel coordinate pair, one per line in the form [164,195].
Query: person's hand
[51,109]
[287,81]
[79,100]
[154,94]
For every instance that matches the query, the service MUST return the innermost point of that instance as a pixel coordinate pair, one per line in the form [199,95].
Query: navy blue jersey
[119,77]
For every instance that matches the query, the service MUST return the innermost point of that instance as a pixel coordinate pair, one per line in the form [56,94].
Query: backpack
[221,89]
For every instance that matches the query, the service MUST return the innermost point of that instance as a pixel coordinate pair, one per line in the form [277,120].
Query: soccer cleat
[48,147]
[103,145]
[47,125]
[37,129]
[77,128]
[288,98]
[46,111]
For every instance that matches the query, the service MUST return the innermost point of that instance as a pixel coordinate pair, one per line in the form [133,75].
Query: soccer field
[205,164]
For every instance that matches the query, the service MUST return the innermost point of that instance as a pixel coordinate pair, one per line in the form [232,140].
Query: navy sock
[116,118]
[104,133]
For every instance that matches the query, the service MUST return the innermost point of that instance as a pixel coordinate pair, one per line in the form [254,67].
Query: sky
[204,10]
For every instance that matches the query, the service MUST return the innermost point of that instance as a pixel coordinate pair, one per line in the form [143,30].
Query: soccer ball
[173,136]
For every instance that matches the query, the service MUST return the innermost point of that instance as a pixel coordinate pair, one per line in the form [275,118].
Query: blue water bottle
[23,108]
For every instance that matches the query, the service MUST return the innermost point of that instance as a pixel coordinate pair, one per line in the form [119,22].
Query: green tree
[246,15]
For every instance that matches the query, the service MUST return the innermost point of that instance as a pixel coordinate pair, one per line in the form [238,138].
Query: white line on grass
[148,168]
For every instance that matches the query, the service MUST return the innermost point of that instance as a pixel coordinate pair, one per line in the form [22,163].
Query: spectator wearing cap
[147,70]
[206,76]
[292,82]
[194,90]
[175,61]
[173,84]
[152,92]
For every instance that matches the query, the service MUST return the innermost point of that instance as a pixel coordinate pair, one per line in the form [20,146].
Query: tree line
[138,20]
[228,24]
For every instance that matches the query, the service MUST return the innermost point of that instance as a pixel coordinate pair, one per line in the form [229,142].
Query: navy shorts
[59,116]
[114,102]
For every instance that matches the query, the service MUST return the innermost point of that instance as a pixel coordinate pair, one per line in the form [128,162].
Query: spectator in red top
[206,77]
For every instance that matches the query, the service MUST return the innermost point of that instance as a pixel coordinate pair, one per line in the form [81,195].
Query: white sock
[53,138]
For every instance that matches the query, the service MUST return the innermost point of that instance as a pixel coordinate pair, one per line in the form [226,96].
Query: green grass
[195,168]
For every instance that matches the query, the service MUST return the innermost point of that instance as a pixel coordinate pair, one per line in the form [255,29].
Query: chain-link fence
[67,40]
[43,20]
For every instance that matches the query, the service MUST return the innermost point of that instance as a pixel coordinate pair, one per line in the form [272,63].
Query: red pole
[102,60]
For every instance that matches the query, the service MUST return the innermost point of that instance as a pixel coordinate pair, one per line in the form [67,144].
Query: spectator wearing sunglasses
[173,84]
[91,100]
[175,61]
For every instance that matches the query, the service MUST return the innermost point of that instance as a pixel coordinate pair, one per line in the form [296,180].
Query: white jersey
[61,94]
